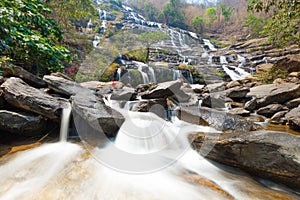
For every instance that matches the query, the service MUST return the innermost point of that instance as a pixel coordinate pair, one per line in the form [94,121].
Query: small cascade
[96,41]
[190,77]
[65,120]
[152,73]
[119,73]
[89,26]
[223,60]
[209,44]
[144,75]
[235,74]
[176,74]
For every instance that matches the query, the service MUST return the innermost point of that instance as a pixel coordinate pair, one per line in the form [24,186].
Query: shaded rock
[156,106]
[219,120]
[63,86]
[267,154]
[251,105]
[198,89]
[293,103]
[293,117]
[126,94]
[214,100]
[93,119]
[237,92]
[263,68]
[29,78]
[20,95]
[22,124]
[274,93]
[270,110]
[279,118]
[215,87]
[2,79]
[239,111]
[290,63]
[163,90]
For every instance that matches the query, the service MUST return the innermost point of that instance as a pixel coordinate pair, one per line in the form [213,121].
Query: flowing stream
[74,171]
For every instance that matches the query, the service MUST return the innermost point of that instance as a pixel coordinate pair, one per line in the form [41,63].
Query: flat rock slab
[22,124]
[274,93]
[267,154]
[20,95]
[63,86]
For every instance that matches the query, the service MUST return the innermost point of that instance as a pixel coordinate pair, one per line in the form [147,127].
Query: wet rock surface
[267,154]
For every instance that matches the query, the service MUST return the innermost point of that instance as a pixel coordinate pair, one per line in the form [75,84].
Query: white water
[223,60]
[209,44]
[236,74]
[66,171]
[64,127]
[176,74]
[152,73]
[96,41]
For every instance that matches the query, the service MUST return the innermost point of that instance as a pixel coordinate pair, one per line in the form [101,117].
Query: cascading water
[176,74]
[152,73]
[119,74]
[64,127]
[209,44]
[67,171]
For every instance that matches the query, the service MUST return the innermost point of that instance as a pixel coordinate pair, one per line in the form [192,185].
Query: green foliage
[150,12]
[198,23]
[109,73]
[172,15]
[138,55]
[149,38]
[256,24]
[226,12]
[28,37]
[284,26]
[211,13]
[268,77]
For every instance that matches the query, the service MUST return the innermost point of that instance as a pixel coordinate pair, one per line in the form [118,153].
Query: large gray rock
[219,120]
[163,90]
[22,124]
[274,93]
[124,94]
[16,71]
[270,110]
[293,117]
[271,155]
[20,95]
[237,92]
[63,86]
[93,118]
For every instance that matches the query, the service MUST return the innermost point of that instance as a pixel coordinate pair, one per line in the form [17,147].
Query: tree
[284,27]
[28,37]
[211,13]
[172,15]
[226,12]
[150,12]
[150,38]
[256,24]
[198,23]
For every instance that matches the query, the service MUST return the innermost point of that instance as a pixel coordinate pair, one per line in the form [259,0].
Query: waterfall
[209,44]
[144,75]
[119,74]
[190,77]
[176,74]
[89,25]
[96,41]
[223,60]
[152,73]
[64,126]
[235,74]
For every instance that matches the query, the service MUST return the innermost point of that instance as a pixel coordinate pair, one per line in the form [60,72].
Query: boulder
[279,118]
[29,78]
[156,106]
[142,88]
[293,103]
[233,84]
[163,90]
[2,80]
[63,86]
[214,100]
[20,95]
[93,118]
[293,117]
[263,68]
[22,123]
[98,86]
[267,154]
[124,94]
[251,105]
[270,110]
[217,119]
[290,63]
[274,93]
[237,92]
[294,74]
